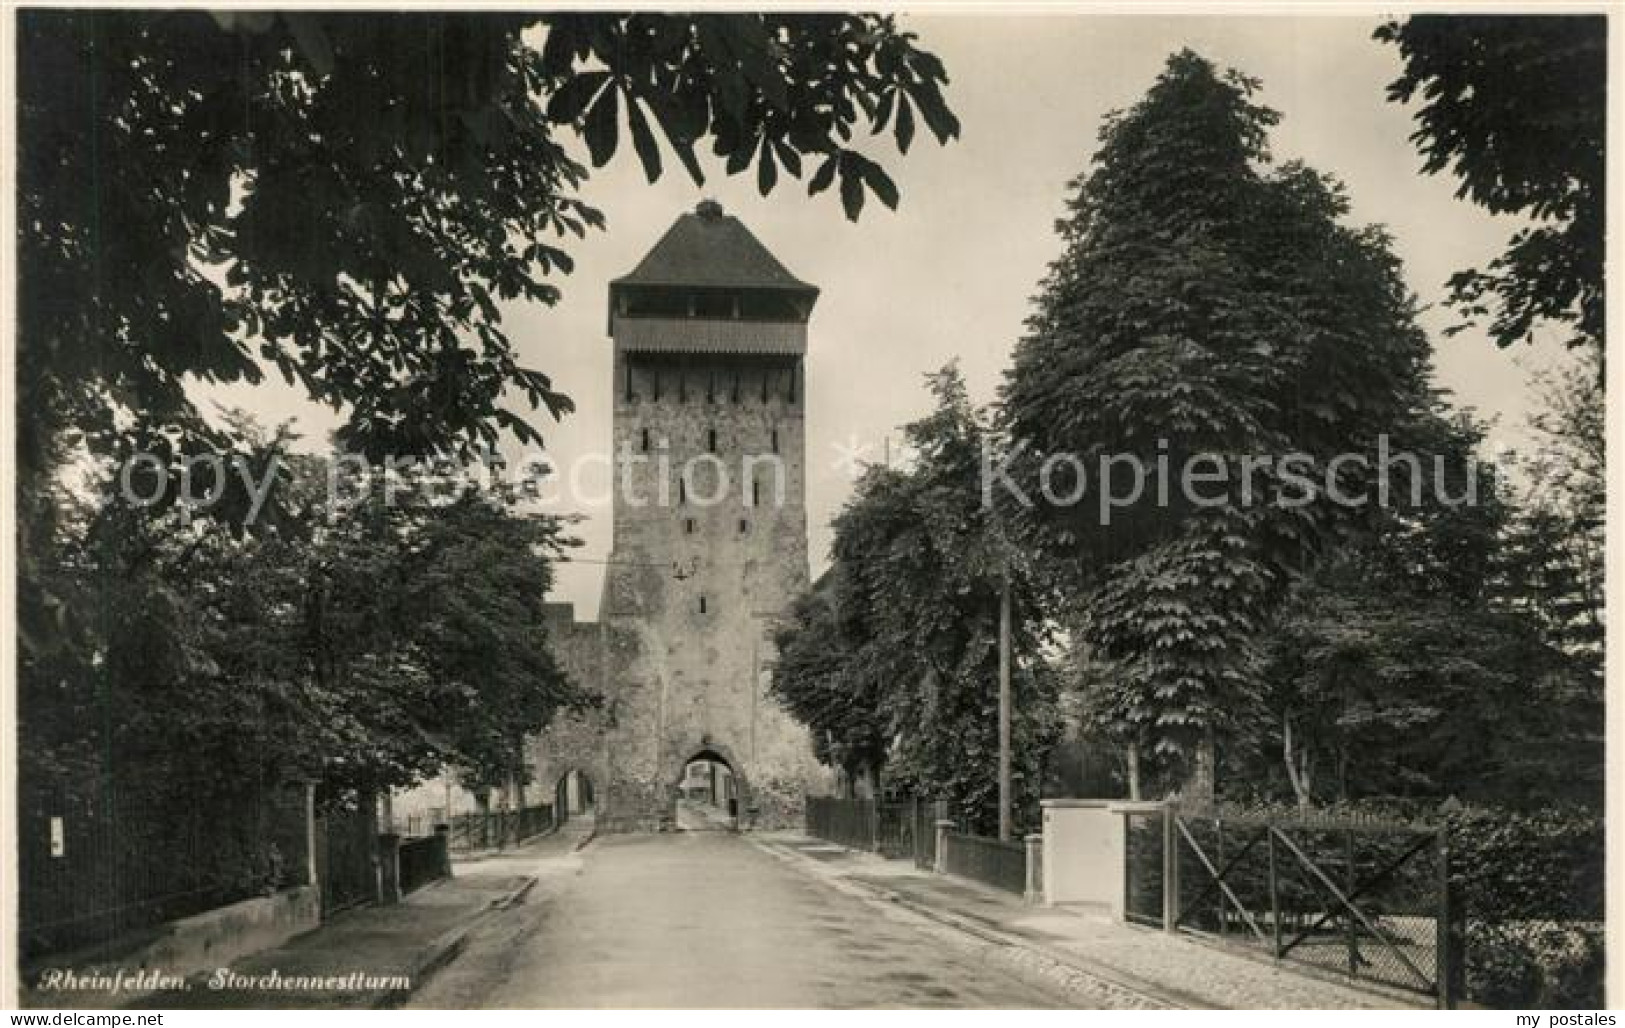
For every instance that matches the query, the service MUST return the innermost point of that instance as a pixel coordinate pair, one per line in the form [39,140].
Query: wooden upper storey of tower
[710,286]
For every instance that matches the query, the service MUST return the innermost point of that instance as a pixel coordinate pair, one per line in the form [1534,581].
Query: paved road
[693,816]
[704,919]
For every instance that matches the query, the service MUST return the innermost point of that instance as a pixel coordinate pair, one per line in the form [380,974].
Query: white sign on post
[58,844]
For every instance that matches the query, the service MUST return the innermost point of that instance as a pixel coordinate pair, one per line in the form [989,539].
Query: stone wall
[657,715]
[181,949]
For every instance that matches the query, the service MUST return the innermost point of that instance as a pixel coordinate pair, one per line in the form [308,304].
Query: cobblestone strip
[1181,973]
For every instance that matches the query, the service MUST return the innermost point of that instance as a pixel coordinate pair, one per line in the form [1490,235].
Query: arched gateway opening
[572,797]
[710,793]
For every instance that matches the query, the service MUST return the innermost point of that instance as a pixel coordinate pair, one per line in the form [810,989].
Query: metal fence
[423,860]
[845,822]
[899,829]
[495,829]
[347,856]
[95,860]
[419,825]
[1002,865]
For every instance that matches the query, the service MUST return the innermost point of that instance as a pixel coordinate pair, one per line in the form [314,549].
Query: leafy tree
[1556,547]
[919,563]
[1207,307]
[1516,107]
[370,185]
[422,625]
[364,644]
[180,640]
[841,699]
[1414,662]
[1403,668]
[1382,690]
[475,585]
[347,198]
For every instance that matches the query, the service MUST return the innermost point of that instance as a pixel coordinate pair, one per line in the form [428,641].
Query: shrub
[1530,889]
[1571,966]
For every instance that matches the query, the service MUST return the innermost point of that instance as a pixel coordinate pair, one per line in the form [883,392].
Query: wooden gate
[1368,899]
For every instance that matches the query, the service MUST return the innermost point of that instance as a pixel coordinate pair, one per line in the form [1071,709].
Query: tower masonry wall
[701,567]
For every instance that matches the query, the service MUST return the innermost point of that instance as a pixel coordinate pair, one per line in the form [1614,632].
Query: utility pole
[1004,710]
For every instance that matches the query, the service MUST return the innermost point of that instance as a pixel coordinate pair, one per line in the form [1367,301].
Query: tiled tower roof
[710,249]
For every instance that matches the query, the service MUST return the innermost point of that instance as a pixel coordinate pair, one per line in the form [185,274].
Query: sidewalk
[375,957]
[1084,956]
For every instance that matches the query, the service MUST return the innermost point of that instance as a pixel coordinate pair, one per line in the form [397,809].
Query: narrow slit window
[711,440]
[755,494]
[688,526]
[702,603]
[682,489]
[775,441]
[645,440]
[744,526]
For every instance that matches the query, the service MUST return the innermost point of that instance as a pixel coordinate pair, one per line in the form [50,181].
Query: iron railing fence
[347,856]
[97,859]
[1002,865]
[418,825]
[534,820]
[423,860]
[495,829]
[845,822]
[469,832]
[899,829]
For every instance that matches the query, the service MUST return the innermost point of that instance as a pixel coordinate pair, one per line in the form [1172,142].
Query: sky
[949,275]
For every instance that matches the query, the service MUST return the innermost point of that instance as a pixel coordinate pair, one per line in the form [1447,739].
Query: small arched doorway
[709,793]
[572,796]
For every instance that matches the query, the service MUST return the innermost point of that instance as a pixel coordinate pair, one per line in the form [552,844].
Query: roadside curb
[440,951]
[512,898]
[445,947]
[1034,965]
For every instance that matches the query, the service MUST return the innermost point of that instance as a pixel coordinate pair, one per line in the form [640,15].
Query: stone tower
[710,531]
